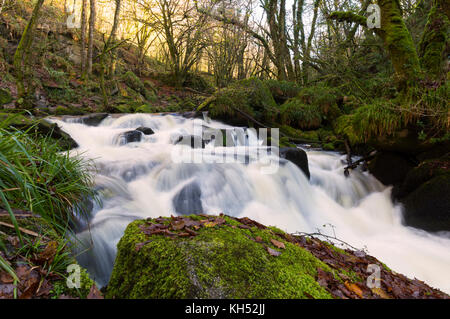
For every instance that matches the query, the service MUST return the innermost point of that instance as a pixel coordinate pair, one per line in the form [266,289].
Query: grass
[36,176]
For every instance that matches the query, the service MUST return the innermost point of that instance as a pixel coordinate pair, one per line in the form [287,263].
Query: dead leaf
[278,244]
[177,224]
[380,292]
[6,278]
[354,288]
[94,293]
[49,253]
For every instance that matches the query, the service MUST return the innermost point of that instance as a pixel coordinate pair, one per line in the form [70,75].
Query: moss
[304,116]
[133,82]
[433,43]
[282,90]
[5,97]
[221,262]
[250,96]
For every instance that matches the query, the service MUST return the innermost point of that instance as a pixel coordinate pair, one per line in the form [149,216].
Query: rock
[129,137]
[188,201]
[93,119]
[390,168]
[53,130]
[428,207]
[193,141]
[222,261]
[298,157]
[145,130]
[5,97]
[421,174]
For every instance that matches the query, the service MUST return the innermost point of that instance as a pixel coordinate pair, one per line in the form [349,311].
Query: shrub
[282,90]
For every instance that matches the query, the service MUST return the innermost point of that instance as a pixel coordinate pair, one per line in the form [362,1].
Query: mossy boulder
[391,168]
[225,259]
[282,90]
[5,97]
[135,83]
[250,96]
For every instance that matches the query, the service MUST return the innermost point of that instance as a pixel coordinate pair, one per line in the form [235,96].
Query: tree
[83,35]
[396,38]
[90,53]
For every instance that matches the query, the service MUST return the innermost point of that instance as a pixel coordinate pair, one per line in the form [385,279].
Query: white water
[139,180]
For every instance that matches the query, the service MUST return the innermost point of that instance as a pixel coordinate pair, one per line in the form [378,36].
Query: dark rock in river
[298,157]
[145,130]
[428,207]
[391,168]
[129,137]
[53,130]
[93,119]
[188,200]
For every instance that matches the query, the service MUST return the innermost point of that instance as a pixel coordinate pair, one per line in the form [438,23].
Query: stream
[143,179]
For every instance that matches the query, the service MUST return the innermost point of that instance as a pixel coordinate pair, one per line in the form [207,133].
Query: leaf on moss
[278,244]
[273,252]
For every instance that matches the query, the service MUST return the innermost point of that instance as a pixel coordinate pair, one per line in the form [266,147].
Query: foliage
[250,96]
[39,178]
[297,114]
[282,90]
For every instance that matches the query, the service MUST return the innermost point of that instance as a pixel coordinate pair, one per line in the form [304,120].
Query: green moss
[133,82]
[433,43]
[221,262]
[250,96]
[5,97]
[304,116]
[282,90]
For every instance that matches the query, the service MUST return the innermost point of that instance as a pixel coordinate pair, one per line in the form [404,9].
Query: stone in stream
[145,130]
[188,200]
[129,137]
[298,157]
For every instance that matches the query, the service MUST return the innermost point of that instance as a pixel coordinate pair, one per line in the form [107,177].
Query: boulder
[428,207]
[47,128]
[390,168]
[298,157]
[129,137]
[145,130]
[188,201]
[222,261]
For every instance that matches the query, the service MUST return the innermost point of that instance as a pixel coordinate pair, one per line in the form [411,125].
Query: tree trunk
[434,45]
[21,56]
[83,35]
[112,38]
[90,53]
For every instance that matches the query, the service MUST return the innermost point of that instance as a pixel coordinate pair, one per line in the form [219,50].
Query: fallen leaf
[177,224]
[5,278]
[278,244]
[354,288]
[48,254]
[94,293]
[258,239]
[380,292]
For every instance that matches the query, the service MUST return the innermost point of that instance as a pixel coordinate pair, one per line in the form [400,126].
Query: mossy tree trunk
[396,38]
[434,45]
[22,54]
[90,52]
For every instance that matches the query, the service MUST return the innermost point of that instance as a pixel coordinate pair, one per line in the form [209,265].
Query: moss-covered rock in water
[224,260]
[250,96]
[5,97]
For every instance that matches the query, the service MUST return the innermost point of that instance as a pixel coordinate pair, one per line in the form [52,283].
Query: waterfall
[140,179]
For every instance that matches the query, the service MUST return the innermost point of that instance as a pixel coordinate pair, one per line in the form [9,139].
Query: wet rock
[129,137]
[188,200]
[390,168]
[145,130]
[428,207]
[298,157]
[53,130]
[93,119]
